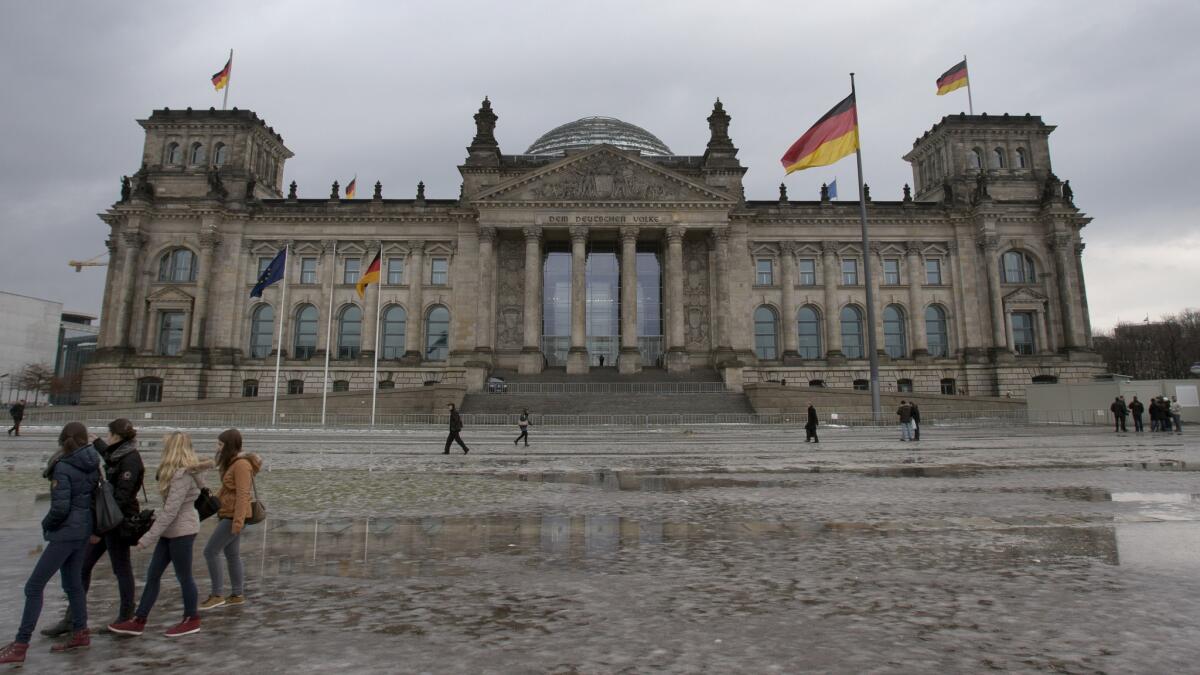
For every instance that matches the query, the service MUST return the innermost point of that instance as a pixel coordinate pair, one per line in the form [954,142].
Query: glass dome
[589,131]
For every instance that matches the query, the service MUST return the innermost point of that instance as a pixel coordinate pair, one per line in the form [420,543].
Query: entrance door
[603,306]
[556,308]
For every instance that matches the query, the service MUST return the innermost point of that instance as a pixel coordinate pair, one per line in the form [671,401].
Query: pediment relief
[439,248]
[308,247]
[169,295]
[603,174]
[891,249]
[763,249]
[1025,296]
[850,250]
[265,247]
[809,250]
[934,251]
[350,250]
[395,248]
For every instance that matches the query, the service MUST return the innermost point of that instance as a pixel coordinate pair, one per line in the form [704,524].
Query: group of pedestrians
[456,426]
[1164,414]
[910,420]
[75,473]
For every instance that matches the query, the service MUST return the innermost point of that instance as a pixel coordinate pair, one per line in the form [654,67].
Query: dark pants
[810,433]
[66,558]
[118,555]
[16,427]
[524,435]
[454,438]
[1137,423]
[1119,423]
[178,552]
[916,429]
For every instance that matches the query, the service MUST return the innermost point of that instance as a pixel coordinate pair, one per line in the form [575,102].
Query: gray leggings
[223,540]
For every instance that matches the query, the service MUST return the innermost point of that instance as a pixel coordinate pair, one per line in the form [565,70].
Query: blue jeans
[66,558]
[178,552]
[118,555]
[906,431]
[223,540]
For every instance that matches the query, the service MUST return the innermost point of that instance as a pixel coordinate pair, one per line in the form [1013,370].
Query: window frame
[197,154]
[300,351]
[249,385]
[395,277]
[308,270]
[943,333]
[849,277]
[256,324]
[1027,268]
[934,265]
[393,352]
[434,272]
[169,266]
[149,390]
[1022,346]
[345,351]
[761,350]
[431,352]
[220,154]
[857,322]
[904,385]
[351,266]
[293,389]
[891,277]
[173,155]
[895,338]
[163,342]
[948,386]
[764,272]
[809,351]
[807,277]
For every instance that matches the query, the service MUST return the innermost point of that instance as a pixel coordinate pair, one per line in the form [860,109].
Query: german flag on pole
[833,137]
[351,188]
[371,276]
[952,79]
[221,78]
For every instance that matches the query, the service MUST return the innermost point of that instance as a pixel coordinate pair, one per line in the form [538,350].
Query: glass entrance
[603,306]
[649,308]
[556,308]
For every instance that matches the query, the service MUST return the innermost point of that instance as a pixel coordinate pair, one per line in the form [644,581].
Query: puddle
[641,481]
[921,472]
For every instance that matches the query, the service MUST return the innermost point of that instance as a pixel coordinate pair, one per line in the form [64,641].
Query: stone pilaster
[629,359]
[989,247]
[724,341]
[787,281]
[677,356]
[204,278]
[1063,270]
[414,338]
[833,325]
[916,301]
[532,360]
[132,241]
[577,356]
[485,323]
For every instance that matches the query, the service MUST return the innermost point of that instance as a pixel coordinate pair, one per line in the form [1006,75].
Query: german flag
[953,79]
[833,137]
[221,78]
[371,276]
[351,187]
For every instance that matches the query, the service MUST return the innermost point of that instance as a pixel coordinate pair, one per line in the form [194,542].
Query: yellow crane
[94,261]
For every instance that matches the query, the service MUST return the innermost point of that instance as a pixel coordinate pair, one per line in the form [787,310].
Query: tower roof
[588,131]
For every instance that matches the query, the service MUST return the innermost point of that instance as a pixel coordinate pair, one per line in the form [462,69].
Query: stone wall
[771,397]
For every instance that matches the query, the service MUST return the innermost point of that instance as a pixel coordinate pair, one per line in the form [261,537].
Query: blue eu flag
[833,189]
[273,273]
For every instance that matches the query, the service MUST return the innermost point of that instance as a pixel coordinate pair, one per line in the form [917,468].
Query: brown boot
[13,652]
[79,640]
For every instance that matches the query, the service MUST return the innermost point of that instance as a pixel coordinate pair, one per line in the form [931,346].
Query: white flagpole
[970,104]
[282,313]
[329,332]
[876,409]
[378,309]
[228,82]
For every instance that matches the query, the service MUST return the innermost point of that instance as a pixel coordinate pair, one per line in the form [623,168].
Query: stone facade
[977,280]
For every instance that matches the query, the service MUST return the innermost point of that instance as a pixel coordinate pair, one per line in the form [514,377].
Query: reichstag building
[598,247]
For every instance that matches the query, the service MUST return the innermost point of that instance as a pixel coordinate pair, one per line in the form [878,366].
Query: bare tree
[1164,349]
[35,377]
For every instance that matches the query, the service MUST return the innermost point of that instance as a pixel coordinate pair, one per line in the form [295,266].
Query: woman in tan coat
[237,484]
[172,536]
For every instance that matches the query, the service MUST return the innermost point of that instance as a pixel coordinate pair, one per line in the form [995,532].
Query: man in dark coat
[1136,409]
[905,414]
[1119,412]
[17,412]
[810,428]
[456,426]
[523,425]
[1155,414]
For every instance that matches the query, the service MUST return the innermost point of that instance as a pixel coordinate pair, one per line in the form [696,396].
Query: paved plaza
[710,549]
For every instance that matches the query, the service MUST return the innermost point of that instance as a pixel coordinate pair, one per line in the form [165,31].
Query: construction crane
[94,261]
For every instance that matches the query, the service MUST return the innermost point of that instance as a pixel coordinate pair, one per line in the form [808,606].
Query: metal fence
[662,388]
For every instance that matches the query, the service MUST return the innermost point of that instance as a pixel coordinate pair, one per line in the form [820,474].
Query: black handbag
[108,515]
[137,525]
[206,504]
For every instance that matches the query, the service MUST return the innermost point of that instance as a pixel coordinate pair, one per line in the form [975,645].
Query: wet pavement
[708,550]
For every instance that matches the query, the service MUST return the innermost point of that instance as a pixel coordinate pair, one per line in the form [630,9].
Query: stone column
[1061,242]
[787,280]
[677,356]
[328,272]
[724,341]
[916,302]
[1083,309]
[989,245]
[577,356]
[370,320]
[414,337]
[485,327]
[532,360]
[1043,346]
[629,359]
[1008,333]
[208,242]
[833,326]
[131,241]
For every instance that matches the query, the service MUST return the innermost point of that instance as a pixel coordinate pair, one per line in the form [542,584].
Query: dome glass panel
[589,131]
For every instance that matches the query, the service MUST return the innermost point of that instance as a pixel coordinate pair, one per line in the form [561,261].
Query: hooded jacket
[73,478]
[178,517]
[237,489]
[124,469]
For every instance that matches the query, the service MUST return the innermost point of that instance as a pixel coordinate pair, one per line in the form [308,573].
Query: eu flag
[273,273]
[833,189]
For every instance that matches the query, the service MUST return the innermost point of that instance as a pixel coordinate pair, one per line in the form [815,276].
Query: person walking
[17,412]
[172,536]
[123,469]
[523,424]
[456,426]
[237,483]
[73,472]
[810,427]
[1155,414]
[1119,412]
[1176,412]
[1136,409]
[916,421]
[905,414]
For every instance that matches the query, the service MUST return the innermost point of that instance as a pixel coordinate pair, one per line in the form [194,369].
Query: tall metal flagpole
[228,82]
[970,104]
[328,332]
[873,355]
[279,342]
[378,306]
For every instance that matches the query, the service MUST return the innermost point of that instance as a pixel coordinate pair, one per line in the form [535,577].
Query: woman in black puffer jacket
[73,472]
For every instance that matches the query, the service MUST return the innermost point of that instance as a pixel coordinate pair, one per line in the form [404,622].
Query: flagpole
[328,332]
[228,82]
[279,348]
[970,104]
[873,355]
[378,308]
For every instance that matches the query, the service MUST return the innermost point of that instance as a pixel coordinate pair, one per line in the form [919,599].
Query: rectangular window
[395,271]
[808,272]
[350,270]
[295,387]
[850,272]
[440,269]
[249,388]
[891,272]
[262,265]
[308,270]
[170,333]
[1022,332]
[149,390]
[948,387]
[933,272]
[764,276]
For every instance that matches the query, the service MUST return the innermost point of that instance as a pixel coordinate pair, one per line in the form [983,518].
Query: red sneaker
[134,626]
[186,627]
[79,640]
[14,652]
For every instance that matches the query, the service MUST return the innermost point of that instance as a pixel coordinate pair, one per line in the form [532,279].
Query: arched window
[220,154]
[808,328]
[862,385]
[304,340]
[975,159]
[904,386]
[295,387]
[341,385]
[852,332]
[894,339]
[196,156]
[764,333]
[172,155]
[998,158]
[437,334]
[177,265]
[948,387]
[935,331]
[249,388]
[1018,268]
[349,332]
[395,321]
[149,390]
[262,324]
[1022,159]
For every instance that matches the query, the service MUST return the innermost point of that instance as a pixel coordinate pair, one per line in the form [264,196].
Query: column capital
[629,233]
[579,233]
[988,242]
[829,247]
[720,235]
[327,245]
[952,246]
[133,239]
[209,239]
[675,233]
[375,244]
[1059,241]
[532,232]
[487,233]
[787,247]
[914,247]
[417,246]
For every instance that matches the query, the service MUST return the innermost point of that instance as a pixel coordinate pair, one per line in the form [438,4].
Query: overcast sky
[387,90]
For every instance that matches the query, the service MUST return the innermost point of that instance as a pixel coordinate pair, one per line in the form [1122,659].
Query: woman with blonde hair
[172,536]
